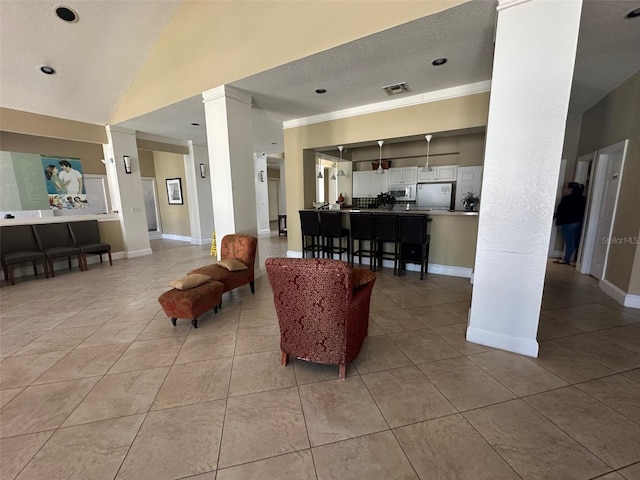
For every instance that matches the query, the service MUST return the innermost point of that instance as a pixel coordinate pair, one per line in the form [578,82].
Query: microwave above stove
[405,192]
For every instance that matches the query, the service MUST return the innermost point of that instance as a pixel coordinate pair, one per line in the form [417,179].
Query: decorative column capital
[226,91]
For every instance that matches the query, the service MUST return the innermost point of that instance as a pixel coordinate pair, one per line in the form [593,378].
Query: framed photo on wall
[174,191]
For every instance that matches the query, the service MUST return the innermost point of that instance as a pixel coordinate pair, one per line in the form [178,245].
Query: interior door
[605,215]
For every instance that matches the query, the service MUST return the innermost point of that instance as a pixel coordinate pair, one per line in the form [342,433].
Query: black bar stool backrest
[413,228]
[331,224]
[17,238]
[361,226]
[386,227]
[309,223]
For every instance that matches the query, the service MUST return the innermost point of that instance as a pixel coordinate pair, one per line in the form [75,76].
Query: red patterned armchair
[322,307]
[234,247]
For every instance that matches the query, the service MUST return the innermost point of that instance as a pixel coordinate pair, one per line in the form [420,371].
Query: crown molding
[226,91]
[438,95]
[117,129]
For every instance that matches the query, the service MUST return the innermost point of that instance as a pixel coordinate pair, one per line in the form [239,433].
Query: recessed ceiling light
[274,143]
[439,61]
[633,13]
[321,90]
[48,70]
[66,14]
[195,124]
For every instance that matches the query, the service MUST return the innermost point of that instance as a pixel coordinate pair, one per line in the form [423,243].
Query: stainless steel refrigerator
[437,196]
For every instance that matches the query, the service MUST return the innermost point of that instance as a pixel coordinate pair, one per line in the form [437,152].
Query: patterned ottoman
[192,303]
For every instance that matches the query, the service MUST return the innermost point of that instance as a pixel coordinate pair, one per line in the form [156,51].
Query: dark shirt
[571,209]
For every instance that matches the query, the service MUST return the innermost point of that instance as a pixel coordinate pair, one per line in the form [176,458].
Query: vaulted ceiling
[97,58]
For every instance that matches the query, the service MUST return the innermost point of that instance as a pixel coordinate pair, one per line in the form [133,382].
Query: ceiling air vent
[396,89]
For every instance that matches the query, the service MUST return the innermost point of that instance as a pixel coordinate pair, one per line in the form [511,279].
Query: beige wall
[42,125]
[174,218]
[89,153]
[613,119]
[145,159]
[203,35]
[161,146]
[447,115]
[111,233]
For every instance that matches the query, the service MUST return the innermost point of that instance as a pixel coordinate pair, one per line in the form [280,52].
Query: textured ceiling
[96,63]
[93,57]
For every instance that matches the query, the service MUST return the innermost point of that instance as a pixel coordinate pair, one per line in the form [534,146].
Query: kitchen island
[453,238]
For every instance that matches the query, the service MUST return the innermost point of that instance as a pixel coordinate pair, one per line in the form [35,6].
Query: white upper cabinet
[378,183]
[402,175]
[469,180]
[442,173]
[369,184]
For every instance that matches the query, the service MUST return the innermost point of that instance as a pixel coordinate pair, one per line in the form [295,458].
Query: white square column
[199,188]
[125,190]
[535,51]
[229,138]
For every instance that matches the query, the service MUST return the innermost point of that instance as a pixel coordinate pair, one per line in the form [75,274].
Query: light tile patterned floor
[97,384]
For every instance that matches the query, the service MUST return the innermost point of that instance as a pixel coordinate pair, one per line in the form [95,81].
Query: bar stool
[331,229]
[310,225]
[386,231]
[362,230]
[414,241]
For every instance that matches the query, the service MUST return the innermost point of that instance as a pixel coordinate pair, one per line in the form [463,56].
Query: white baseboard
[632,301]
[139,253]
[180,238]
[264,231]
[294,254]
[523,346]
[201,241]
[619,295]
[155,235]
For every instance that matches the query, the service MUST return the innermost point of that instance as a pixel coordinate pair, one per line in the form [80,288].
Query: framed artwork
[174,191]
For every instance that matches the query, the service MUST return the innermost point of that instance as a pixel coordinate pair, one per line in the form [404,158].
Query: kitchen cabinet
[403,175]
[369,184]
[469,179]
[442,173]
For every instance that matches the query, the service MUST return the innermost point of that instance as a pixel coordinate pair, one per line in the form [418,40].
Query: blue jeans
[571,234]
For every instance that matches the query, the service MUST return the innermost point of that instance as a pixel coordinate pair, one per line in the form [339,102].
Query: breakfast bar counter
[453,237]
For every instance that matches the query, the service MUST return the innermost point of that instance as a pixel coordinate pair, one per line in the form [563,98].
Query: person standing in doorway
[71,178]
[569,215]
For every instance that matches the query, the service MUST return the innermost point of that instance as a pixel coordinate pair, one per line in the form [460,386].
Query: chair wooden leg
[110,261]
[284,359]
[343,371]
[51,270]
[252,286]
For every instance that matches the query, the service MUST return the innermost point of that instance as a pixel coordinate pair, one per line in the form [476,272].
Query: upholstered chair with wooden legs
[322,307]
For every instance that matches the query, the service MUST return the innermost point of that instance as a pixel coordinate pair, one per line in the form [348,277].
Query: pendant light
[319,174]
[340,172]
[380,171]
[427,168]
[333,175]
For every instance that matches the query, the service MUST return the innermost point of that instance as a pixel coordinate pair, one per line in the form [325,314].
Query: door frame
[596,187]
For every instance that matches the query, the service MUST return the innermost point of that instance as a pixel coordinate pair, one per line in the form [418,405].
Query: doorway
[274,199]
[151,207]
[601,208]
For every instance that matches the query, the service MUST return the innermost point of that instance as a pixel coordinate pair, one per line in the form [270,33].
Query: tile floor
[97,384]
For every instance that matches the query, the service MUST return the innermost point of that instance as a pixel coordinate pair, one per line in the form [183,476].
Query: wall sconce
[127,164]
[262,176]
[203,170]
